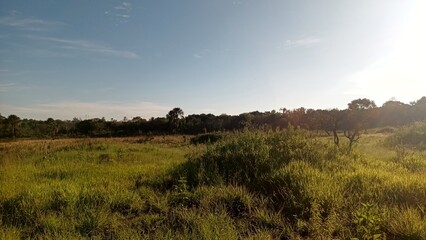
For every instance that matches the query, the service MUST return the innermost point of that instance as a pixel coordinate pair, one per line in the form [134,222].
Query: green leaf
[377,236]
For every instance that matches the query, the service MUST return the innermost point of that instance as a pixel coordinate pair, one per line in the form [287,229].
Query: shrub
[206,138]
[248,158]
[413,136]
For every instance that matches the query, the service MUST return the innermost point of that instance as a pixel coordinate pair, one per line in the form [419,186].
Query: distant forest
[361,114]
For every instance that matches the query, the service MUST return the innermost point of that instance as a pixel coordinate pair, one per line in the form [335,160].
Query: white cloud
[32,24]
[122,15]
[122,12]
[86,46]
[301,42]
[71,109]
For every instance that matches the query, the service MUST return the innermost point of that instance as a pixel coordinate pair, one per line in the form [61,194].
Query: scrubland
[290,184]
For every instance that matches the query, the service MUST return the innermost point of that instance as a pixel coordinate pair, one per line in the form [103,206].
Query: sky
[115,59]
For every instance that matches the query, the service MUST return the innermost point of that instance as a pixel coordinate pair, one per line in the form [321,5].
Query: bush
[413,136]
[248,158]
[289,169]
[206,138]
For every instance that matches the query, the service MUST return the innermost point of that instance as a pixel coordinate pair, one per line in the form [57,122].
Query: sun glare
[402,72]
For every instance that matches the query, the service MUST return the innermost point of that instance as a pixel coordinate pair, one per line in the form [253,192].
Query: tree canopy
[360,114]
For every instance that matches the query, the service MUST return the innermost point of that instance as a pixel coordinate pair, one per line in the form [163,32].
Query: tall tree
[13,122]
[174,117]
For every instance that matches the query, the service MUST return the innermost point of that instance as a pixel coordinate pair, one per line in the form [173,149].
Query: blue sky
[107,58]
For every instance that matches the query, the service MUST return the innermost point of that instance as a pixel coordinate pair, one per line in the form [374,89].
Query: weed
[181,197]
[368,220]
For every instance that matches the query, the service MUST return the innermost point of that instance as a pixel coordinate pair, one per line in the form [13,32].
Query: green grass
[249,185]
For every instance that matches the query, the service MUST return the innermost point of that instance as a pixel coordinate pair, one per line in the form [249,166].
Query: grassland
[249,185]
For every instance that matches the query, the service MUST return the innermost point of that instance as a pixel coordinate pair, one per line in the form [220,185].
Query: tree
[2,126]
[356,118]
[174,117]
[394,113]
[13,122]
[361,103]
[297,117]
[418,110]
[52,126]
[332,122]
[352,125]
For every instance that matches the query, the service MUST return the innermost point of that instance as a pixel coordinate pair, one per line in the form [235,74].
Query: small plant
[367,220]
[181,196]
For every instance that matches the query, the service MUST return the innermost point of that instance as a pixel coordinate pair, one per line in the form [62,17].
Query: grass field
[250,185]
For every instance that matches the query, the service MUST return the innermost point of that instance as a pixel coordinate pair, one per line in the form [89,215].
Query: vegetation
[361,114]
[206,138]
[413,136]
[290,184]
[295,174]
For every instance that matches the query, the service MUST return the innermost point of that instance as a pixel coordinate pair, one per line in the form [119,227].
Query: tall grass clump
[289,168]
[249,158]
[413,136]
[319,191]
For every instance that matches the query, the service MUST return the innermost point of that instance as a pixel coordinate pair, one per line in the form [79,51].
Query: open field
[251,185]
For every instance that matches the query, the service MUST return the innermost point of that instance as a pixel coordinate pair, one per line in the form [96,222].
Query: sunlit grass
[289,185]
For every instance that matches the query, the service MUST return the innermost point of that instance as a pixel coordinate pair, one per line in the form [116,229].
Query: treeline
[360,114]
